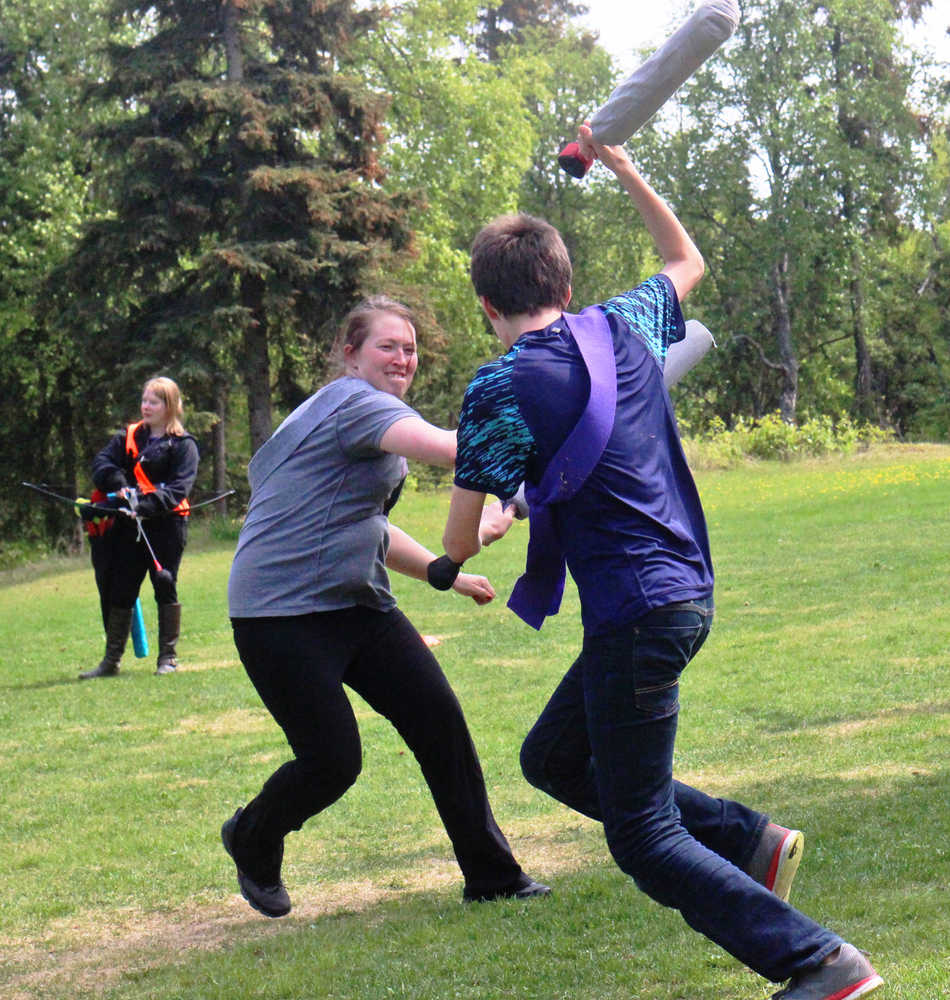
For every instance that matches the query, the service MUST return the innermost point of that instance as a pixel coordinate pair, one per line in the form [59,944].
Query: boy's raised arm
[682,262]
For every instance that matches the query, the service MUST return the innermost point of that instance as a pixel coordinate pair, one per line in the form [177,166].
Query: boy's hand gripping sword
[634,102]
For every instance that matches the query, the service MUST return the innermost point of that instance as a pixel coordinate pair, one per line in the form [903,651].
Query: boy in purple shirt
[577,409]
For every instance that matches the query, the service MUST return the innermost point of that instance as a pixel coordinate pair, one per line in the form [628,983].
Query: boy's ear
[567,300]
[490,311]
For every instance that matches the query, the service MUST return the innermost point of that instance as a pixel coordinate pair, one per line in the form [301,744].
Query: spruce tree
[247,213]
[45,47]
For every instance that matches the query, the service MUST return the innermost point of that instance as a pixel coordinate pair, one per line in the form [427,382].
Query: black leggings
[299,665]
[121,559]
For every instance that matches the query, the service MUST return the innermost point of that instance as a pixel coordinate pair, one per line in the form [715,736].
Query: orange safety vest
[145,484]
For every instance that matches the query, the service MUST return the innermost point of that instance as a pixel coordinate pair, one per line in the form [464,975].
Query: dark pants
[120,560]
[604,746]
[299,666]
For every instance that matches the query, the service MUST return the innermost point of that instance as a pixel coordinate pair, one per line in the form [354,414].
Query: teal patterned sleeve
[494,442]
[651,311]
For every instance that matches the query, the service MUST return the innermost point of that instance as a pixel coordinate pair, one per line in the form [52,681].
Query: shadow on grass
[58,682]
[873,871]
[774,721]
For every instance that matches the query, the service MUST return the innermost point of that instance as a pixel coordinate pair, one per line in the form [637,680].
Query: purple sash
[538,591]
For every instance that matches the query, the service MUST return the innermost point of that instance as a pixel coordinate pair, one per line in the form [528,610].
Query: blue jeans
[604,746]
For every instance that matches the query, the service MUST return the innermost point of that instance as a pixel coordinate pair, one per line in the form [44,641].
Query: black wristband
[441,572]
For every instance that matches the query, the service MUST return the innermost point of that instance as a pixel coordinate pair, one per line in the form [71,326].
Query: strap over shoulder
[538,591]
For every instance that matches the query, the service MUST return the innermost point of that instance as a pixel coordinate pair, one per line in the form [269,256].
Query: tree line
[205,189]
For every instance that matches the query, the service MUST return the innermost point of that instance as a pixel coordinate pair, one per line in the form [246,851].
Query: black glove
[116,503]
[86,510]
[89,510]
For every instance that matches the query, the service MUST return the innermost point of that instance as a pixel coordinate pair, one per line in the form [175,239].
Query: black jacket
[170,462]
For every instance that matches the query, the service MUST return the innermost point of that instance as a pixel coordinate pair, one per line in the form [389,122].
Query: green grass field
[822,697]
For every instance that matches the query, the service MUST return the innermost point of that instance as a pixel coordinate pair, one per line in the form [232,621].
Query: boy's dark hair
[520,264]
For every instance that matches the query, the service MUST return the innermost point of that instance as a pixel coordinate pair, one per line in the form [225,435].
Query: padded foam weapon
[637,99]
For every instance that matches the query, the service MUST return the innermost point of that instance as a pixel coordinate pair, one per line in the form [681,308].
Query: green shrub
[771,438]
[224,529]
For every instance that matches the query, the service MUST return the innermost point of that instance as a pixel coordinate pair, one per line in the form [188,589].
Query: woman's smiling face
[387,357]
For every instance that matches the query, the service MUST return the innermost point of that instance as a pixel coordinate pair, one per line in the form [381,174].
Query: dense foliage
[205,189]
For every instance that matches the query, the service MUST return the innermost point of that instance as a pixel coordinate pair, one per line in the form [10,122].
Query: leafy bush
[224,529]
[771,438]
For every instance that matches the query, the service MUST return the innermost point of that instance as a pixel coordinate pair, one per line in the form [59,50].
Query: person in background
[145,472]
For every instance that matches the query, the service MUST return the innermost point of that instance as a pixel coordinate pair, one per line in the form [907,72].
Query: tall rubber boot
[117,635]
[169,627]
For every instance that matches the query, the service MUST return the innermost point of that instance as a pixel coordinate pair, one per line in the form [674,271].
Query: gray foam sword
[638,98]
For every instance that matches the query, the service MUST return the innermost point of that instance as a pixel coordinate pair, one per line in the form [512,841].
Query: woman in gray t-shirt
[312,610]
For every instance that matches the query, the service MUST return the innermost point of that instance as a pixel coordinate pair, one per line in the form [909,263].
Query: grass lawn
[821,697]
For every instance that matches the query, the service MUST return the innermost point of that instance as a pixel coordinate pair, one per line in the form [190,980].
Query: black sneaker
[267,896]
[524,887]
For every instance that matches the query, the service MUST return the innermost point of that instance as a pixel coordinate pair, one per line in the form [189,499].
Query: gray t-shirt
[316,534]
